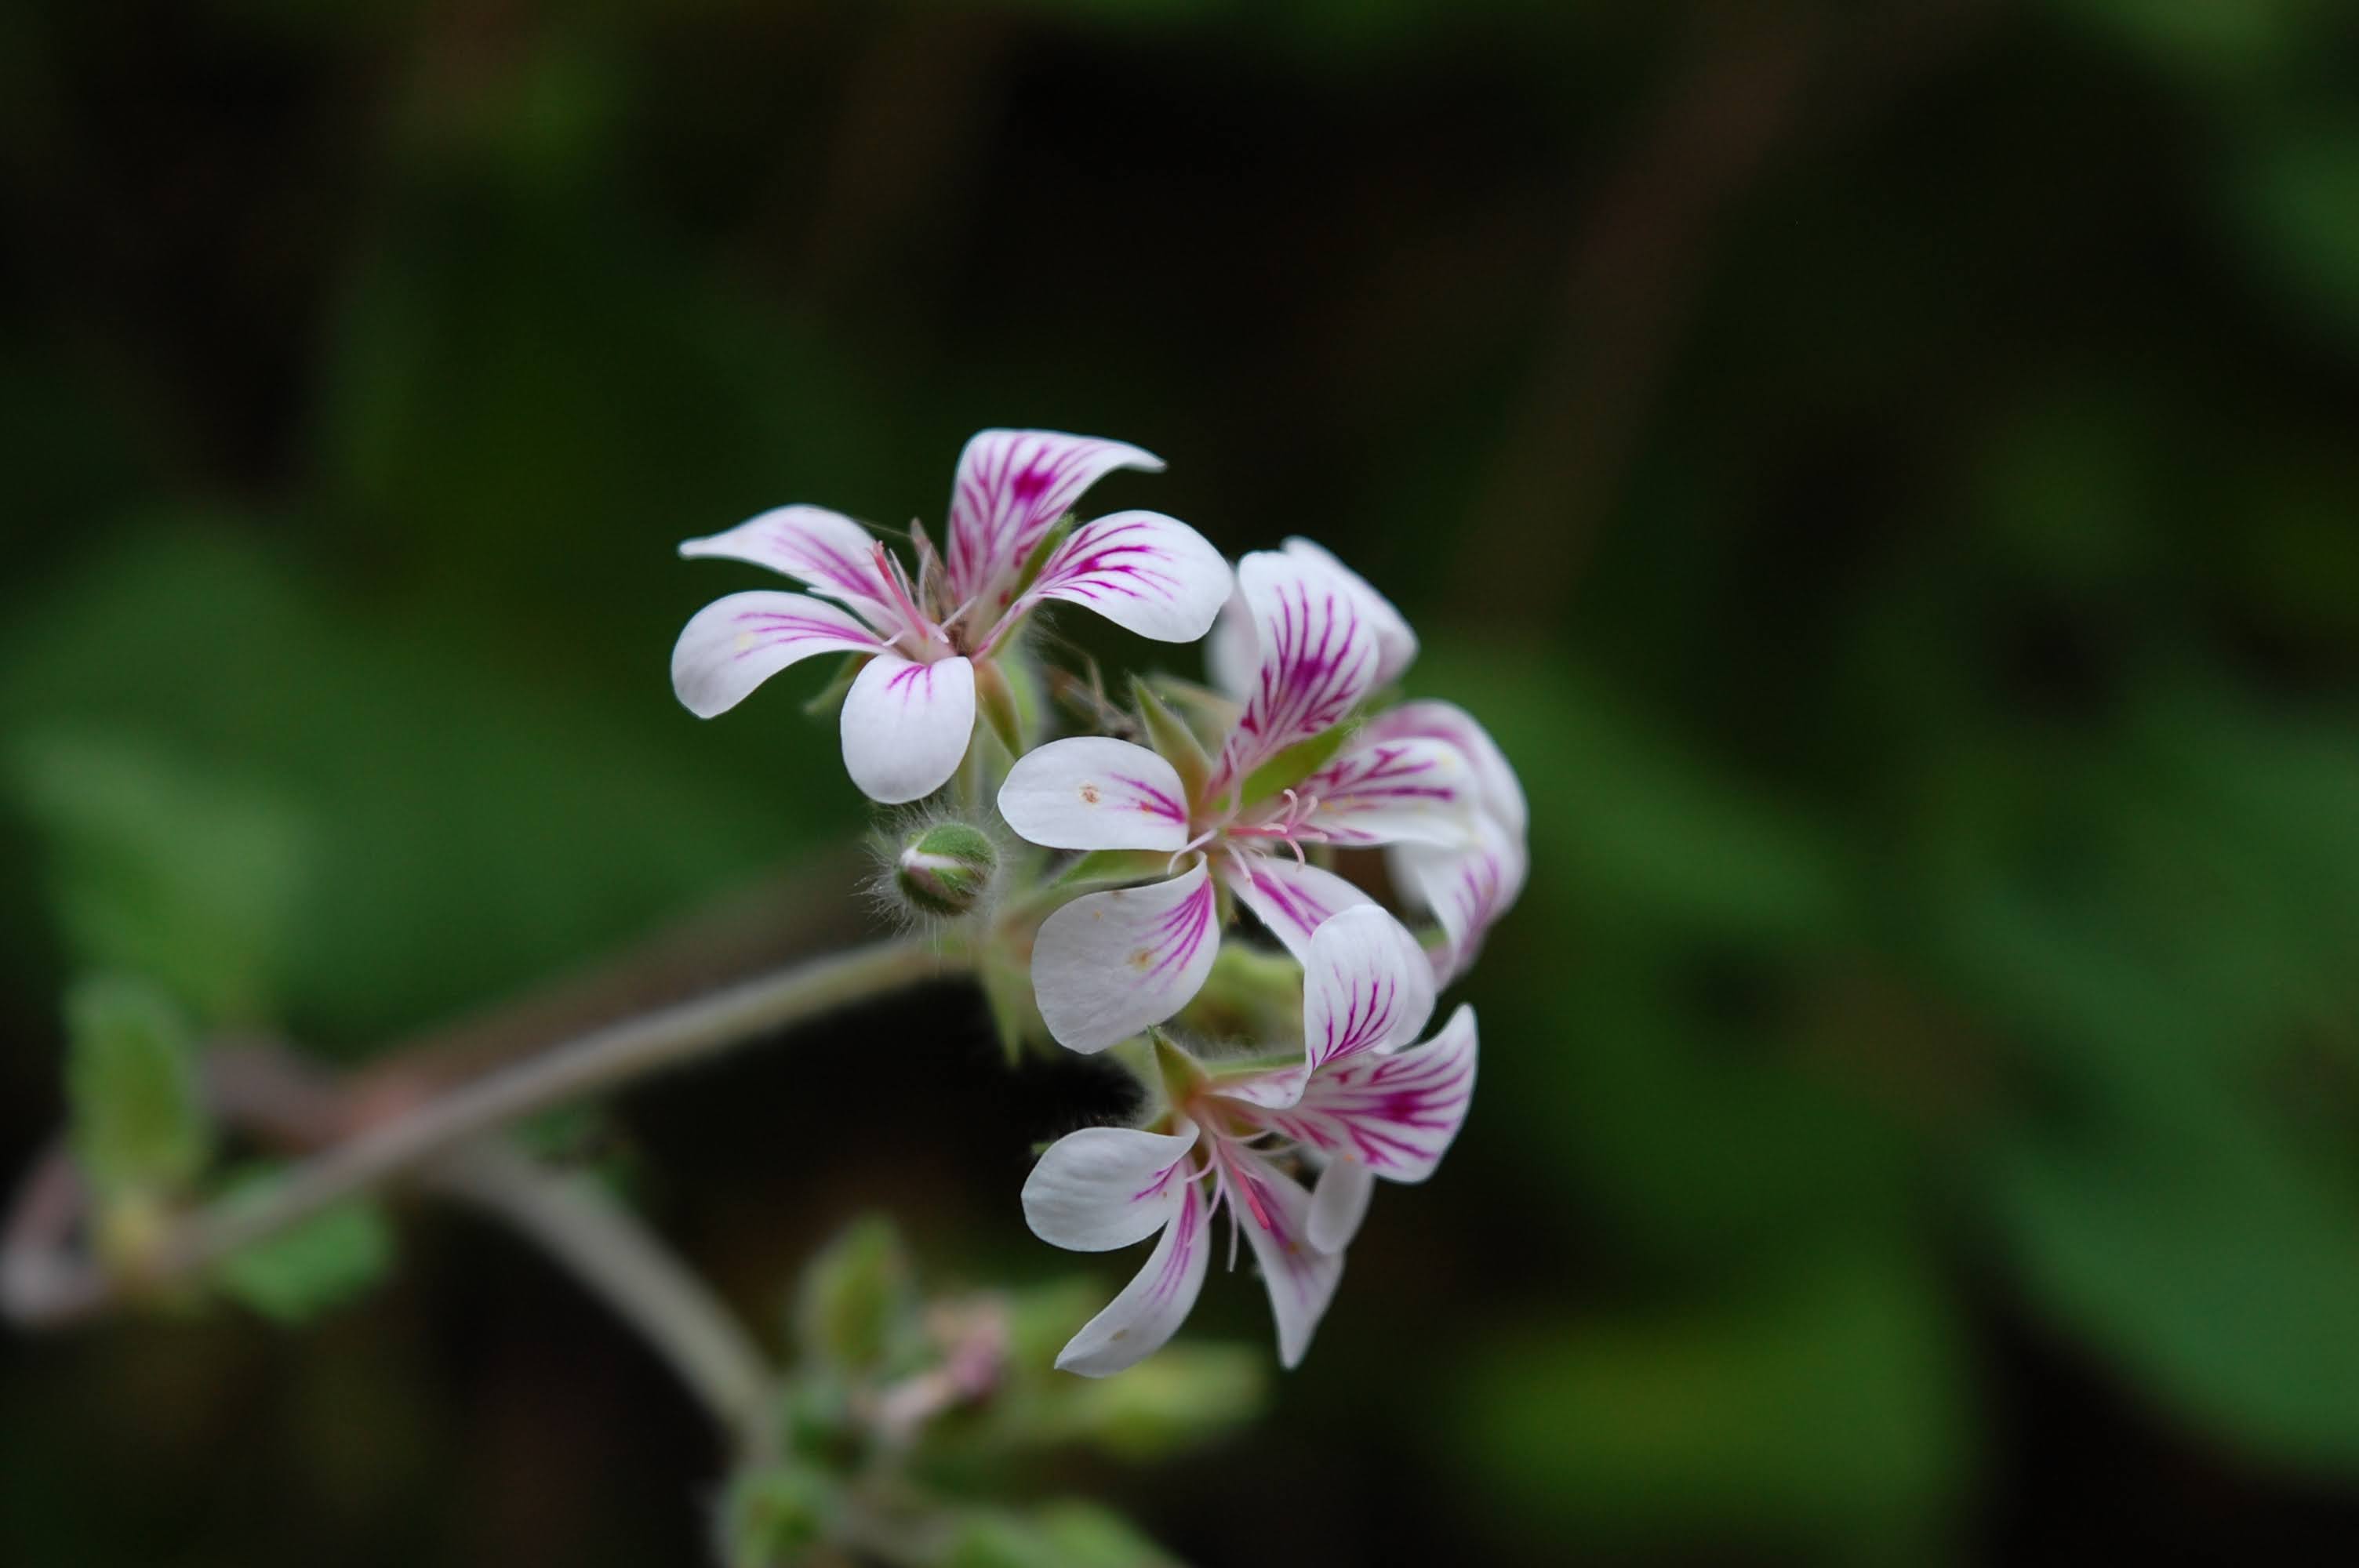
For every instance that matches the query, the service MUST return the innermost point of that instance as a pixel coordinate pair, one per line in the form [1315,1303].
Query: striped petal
[906,726]
[825,550]
[1290,897]
[1150,1309]
[1500,791]
[1093,792]
[1274,1212]
[1105,1187]
[1339,1202]
[1318,658]
[1367,985]
[1396,644]
[1394,1113]
[1107,966]
[1011,486]
[1147,573]
[1412,790]
[734,644]
[1233,651]
[1468,890]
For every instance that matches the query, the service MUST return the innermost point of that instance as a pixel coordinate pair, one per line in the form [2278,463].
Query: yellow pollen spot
[1089,794]
[1142,959]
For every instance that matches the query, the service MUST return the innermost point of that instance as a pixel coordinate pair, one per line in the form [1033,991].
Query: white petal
[1393,1115]
[1467,890]
[1410,790]
[1012,485]
[1274,1212]
[1502,792]
[1104,1188]
[1095,793]
[1317,657]
[734,644]
[1142,1320]
[1367,985]
[1109,963]
[906,726]
[825,550]
[1290,897]
[1339,1203]
[1144,572]
[1232,656]
[1396,644]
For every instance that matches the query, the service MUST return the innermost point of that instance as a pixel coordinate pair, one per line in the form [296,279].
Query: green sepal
[139,1122]
[1181,1074]
[1173,740]
[1208,714]
[1015,1015]
[308,1268]
[1108,867]
[839,685]
[1297,762]
[1252,993]
[1038,558]
[996,703]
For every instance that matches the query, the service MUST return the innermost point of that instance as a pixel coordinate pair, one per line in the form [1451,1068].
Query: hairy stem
[42,1282]
[599,1060]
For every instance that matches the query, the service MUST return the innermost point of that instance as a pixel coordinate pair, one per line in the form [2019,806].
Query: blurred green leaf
[161,868]
[858,1300]
[1627,819]
[470,824]
[777,1517]
[139,1120]
[1057,1535]
[2218,1271]
[1829,1417]
[309,1268]
[2297,192]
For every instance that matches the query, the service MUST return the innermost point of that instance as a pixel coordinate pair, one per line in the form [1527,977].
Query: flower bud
[946,869]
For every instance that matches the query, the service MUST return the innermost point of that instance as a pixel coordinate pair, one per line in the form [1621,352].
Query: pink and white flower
[910,712]
[1467,886]
[1109,963]
[1470,885]
[1358,1103]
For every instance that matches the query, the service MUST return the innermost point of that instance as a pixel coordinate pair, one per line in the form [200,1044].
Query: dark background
[1885,472]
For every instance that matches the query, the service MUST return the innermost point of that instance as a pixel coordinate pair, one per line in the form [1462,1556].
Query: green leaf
[777,1516]
[132,1082]
[2218,1270]
[858,1297]
[309,1268]
[162,867]
[1825,1413]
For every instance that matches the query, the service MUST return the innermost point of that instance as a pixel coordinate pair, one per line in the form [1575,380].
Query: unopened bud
[945,870]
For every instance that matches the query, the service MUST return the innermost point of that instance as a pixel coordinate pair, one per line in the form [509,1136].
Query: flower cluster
[1293,757]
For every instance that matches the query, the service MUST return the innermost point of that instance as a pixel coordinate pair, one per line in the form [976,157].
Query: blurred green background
[1885,472]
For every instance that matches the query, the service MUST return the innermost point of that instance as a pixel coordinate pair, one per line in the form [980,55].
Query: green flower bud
[946,869]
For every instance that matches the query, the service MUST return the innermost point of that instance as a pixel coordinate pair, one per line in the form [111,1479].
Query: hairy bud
[945,868]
